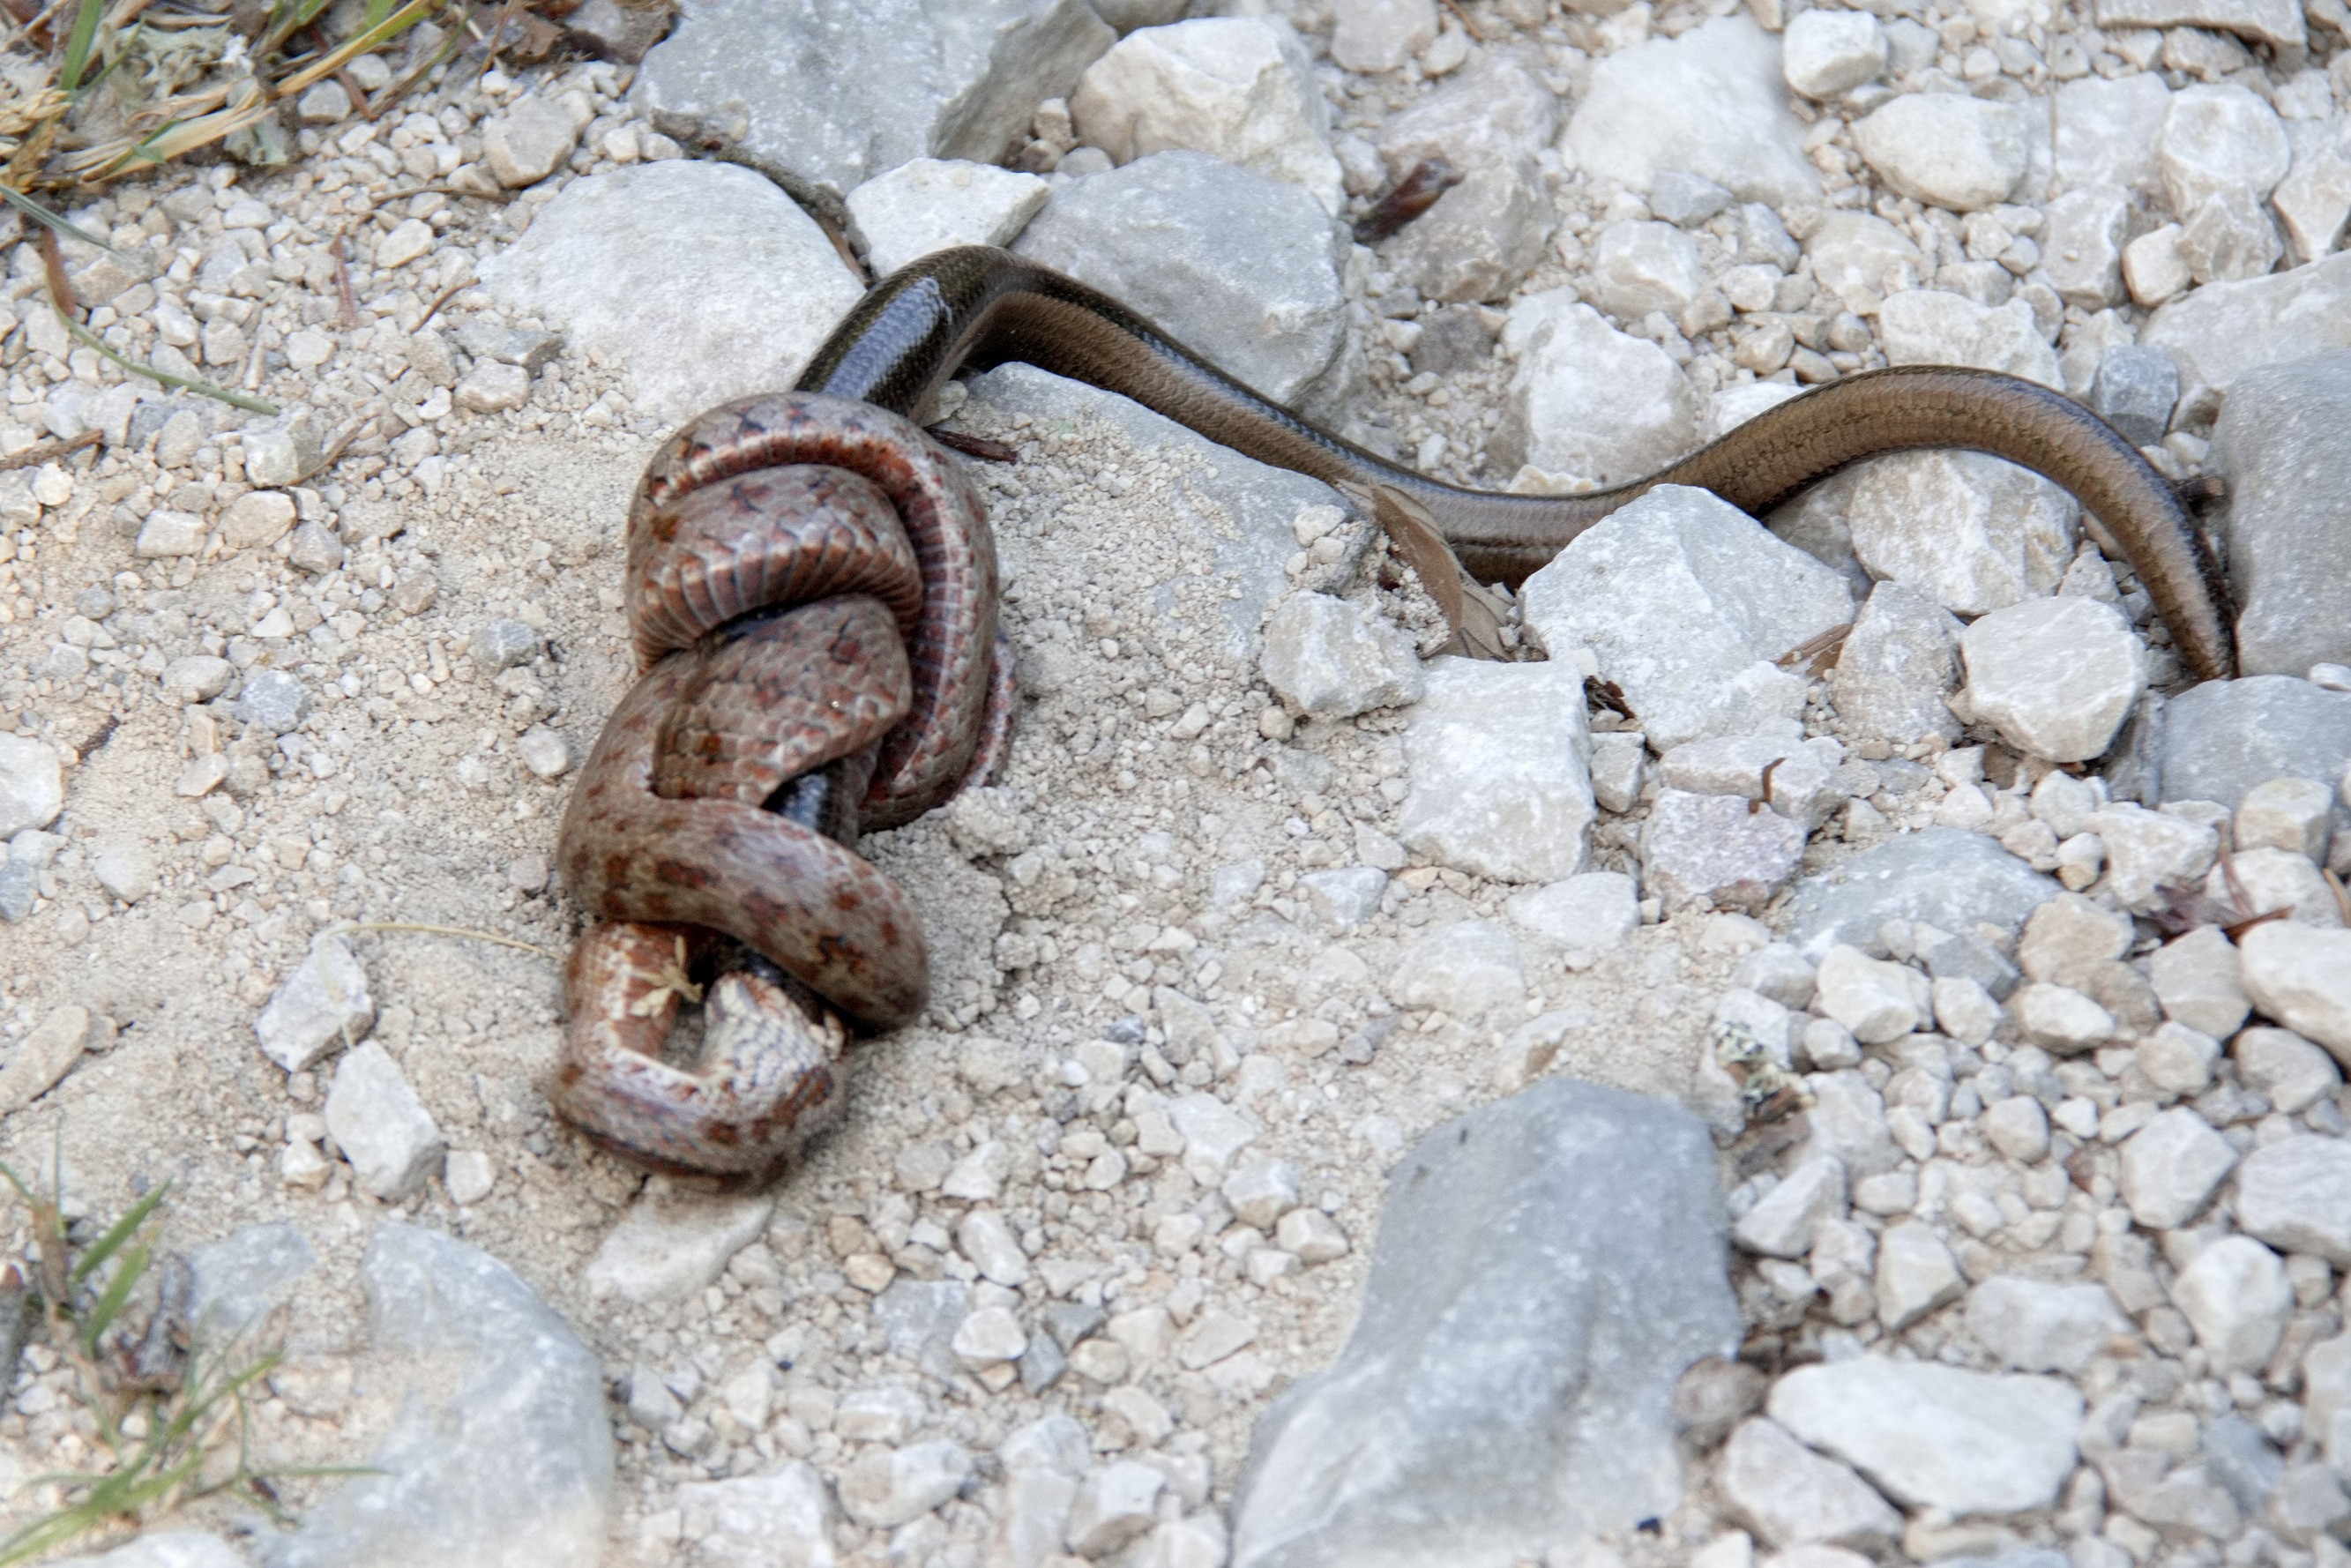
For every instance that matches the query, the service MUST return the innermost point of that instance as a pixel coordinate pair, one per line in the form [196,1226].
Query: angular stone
[1802,778]
[2235,1295]
[2136,390]
[1487,232]
[2218,138]
[2288,557]
[2284,1069]
[672,1244]
[1372,35]
[1688,602]
[1937,1437]
[2313,200]
[782,1516]
[2291,814]
[886,1488]
[1898,664]
[1948,150]
[381,1125]
[32,785]
[1586,915]
[43,1056]
[2034,1325]
[1710,102]
[1640,266]
[1113,1506]
[1479,1370]
[1232,513]
[1342,899]
[2145,849]
[930,204]
[2084,233]
[1781,1225]
[1243,269]
[2275,22]
[839,94]
[1879,1001]
[1915,1274]
[1946,877]
[2171,1167]
[1238,89]
[2105,131]
[2230,237]
[2069,937]
[1466,968]
[2223,739]
[274,700]
[2296,1195]
[521,146]
[1498,763]
[1864,260]
[1967,530]
[2300,976]
[503,1452]
[1790,1495]
[1587,400]
[323,1004]
[2268,879]
[1825,53]
[1336,658]
[1935,327]
[2223,330]
[1716,848]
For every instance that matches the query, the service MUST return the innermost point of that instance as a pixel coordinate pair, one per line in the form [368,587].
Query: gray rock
[2315,198]
[2296,1195]
[615,31]
[1711,102]
[381,1125]
[1240,267]
[1949,149]
[2289,532]
[1696,849]
[1344,899]
[32,785]
[2105,130]
[322,1004]
[1948,878]
[2035,1325]
[1898,664]
[2145,849]
[493,388]
[2224,737]
[1825,53]
[1587,402]
[2082,241]
[244,1277]
[2222,330]
[1639,265]
[703,280]
[1336,658]
[2219,137]
[670,1244]
[273,699]
[2171,1167]
[1468,968]
[1791,1495]
[2235,1295]
[838,93]
[2277,22]
[2228,237]
[1236,512]
[522,144]
[1688,602]
[1374,36]
[1496,762]
[1584,915]
[919,1319]
[1970,957]
[932,204]
[1970,532]
[783,1516]
[2282,1067]
[2243,1460]
[528,350]
[2135,391]
[1935,327]
[282,450]
[165,1548]
[1862,259]
[503,1452]
[498,645]
[2055,676]
[1937,1437]
[1685,199]
[1547,1267]
[1240,90]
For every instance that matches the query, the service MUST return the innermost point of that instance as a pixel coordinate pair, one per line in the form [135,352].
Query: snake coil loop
[811,595]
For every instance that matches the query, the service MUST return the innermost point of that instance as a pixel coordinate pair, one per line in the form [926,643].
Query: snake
[812,589]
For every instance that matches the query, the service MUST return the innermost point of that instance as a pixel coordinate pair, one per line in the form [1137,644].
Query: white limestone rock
[382,1128]
[1898,664]
[1935,327]
[2296,1195]
[1970,532]
[1584,915]
[1688,603]
[2171,1167]
[1374,36]
[2222,329]
[1948,150]
[1879,1001]
[2236,1296]
[2055,676]
[1241,88]
[1711,102]
[1825,53]
[1717,849]
[934,204]
[1791,1495]
[1587,402]
[1468,968]
[1937,1437]
[1497,763]
[703,281]
[1336,658]
[2282,1068]
[2036,1325]
[2146,849]
[1864,260]
[2219,137]
[2105,131]
[2301,976]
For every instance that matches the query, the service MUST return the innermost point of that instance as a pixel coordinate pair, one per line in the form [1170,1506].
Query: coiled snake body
[811,590]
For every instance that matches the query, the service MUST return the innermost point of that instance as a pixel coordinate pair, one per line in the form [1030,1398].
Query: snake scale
[811,590]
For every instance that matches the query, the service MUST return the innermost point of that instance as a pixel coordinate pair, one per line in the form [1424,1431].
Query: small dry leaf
[1474,615]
